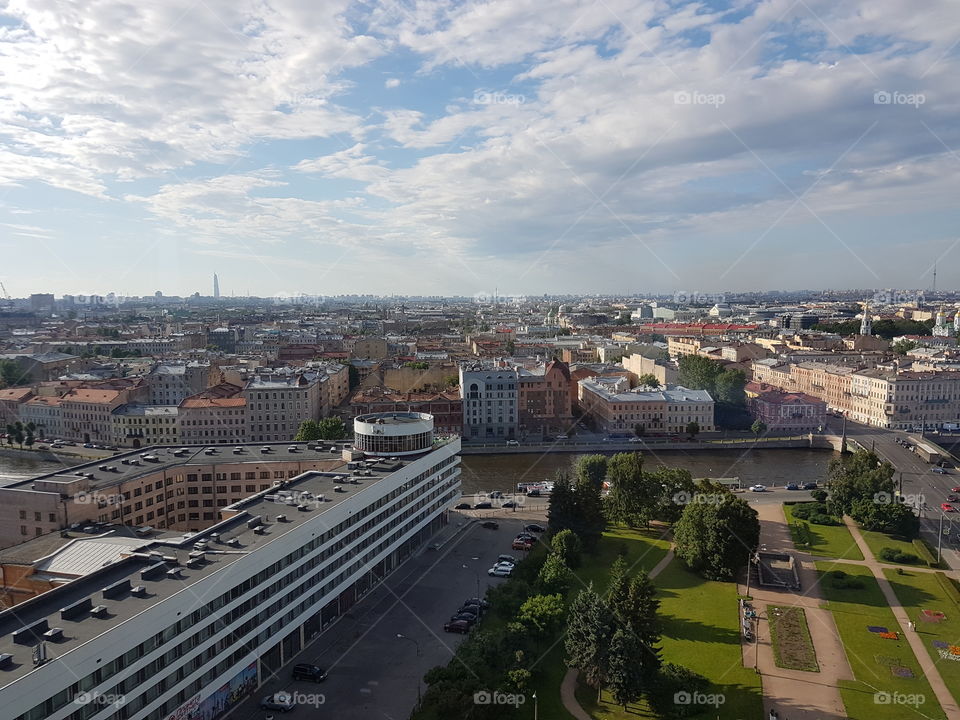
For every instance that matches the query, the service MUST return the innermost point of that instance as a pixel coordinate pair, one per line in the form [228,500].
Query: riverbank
[831,442]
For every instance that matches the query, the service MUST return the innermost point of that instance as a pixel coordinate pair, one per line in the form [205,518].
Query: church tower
[866,324]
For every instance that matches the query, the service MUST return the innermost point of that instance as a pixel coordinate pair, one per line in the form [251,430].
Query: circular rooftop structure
[395,433]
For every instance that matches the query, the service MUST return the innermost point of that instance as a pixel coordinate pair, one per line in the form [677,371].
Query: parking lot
[371,672]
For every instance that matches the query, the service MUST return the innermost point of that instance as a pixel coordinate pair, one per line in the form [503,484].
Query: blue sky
[440,148]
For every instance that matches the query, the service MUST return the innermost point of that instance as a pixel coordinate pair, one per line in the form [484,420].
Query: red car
[955,489]
[521,545]
[947,507]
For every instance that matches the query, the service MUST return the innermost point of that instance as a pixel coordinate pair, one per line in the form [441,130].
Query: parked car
[947,507]
[509,504]
[305,671]
[500,571]
[810,486]
[526,537]
[562,437]
[955,489]
[495,495]
[482,602]
[534,528]
[463,506]
[279,701]
[466,616]
[483,506]
[470,608]
[507,559]
[533,493]
[635,440]
[953,498]
[758,488]
[792,486]
[512,443]
[940,471]
[490,525]
[457,626]
[521,545]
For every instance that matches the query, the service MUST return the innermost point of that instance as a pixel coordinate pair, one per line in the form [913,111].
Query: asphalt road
[373,674]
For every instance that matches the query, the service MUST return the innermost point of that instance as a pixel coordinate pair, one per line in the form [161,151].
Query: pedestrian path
[927,666]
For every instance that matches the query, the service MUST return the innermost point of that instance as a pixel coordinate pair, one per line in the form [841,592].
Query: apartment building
[216,415]
[188,626]
[612,407]
[490,402]
[170,384]
[640,365]
[88,413]
[786,411]
[135,425]
[544,405]
[446,407]
[46,413]
[11,399]
[277,403]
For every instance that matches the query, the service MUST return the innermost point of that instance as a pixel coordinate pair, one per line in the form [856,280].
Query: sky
[440,148]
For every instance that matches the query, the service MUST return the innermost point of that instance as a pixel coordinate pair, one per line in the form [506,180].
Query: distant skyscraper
[216,286]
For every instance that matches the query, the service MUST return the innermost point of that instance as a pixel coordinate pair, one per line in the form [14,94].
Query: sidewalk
[796,694]
[927,666]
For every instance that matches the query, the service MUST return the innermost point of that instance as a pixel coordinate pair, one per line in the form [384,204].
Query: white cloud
[392,83]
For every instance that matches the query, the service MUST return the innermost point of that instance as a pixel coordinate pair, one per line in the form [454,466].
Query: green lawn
[918,591]
[643,549]
[869,654]
[828,540]
[877,541]
[700,631]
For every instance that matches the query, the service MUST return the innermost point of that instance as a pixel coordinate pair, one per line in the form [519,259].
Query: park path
[927,666]
[568,687]
[796,694]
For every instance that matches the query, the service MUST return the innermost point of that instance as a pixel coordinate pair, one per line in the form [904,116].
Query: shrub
[822,519]
[841,581]
[819,495]
[673,679]
[893,555]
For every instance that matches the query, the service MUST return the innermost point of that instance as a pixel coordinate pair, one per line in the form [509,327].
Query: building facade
[612,407]
[544,405]
[490,403]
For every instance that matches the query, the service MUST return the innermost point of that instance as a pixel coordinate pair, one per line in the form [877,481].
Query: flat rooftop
[391,418]
[236,539]
[195,455]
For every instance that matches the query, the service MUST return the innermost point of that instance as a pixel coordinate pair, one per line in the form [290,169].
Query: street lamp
[401,636]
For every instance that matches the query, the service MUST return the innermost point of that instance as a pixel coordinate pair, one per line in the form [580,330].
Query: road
[372,673]
[922,487]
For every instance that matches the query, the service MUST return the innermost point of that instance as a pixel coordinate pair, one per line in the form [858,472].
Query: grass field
[918,591]
[790,636]
[828,540]
[870,655]
[877,541]
[700,631]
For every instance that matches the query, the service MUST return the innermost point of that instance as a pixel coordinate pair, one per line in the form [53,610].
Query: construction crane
[7,300]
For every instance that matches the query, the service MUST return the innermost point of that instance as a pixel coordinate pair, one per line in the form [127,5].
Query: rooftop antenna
[934,277]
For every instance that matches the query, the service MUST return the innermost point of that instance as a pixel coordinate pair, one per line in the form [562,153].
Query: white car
[562,437]
[635,439]
[512,443]
[758,488]
[501,570]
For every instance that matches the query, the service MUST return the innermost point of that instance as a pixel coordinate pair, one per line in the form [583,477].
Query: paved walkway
[568,687]
[927,666]
[796,694]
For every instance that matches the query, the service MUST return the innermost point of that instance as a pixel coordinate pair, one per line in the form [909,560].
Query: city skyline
[630,145]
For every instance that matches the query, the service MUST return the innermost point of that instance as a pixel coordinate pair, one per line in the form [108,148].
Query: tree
[591,469]
[714,537]
[758,428]
[671,680]
[510,347]
[638,609]
[309,431]
[10,373]
[633,494]
[857,476]
[353,376]
[561,512]
[639,429]
[676,488]
[648,380]
[590,626]
[554,576]
[419,365]
[332,428]
[698,373]
[693,427]
[729,388]
[627,679]
[892,518]
[567,546]
[543,614]
[589,519]
[16,433]
[902,347]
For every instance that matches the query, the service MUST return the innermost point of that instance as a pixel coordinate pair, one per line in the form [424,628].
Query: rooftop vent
[6,661]
[54,634]
[139,591]
[173,573]
[100,611]
[76,609]
[259,530]
[117,589]
[153,571]
[337,488]
[30,633]
[233,542]
[254,521]
[281,518]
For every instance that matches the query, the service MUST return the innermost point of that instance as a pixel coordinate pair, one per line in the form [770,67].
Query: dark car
[509,504]
[457,626]
[477,601]
[466,616]
[483,506]
[953,498]
[533,493]
[792,486]
[526,537]
[462,506]
[490,525]
[810,486]
[471,608]
[305,671]
[281,701]
[534,528]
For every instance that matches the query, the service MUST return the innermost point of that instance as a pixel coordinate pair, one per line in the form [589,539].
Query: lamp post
[401,636]
[535,706]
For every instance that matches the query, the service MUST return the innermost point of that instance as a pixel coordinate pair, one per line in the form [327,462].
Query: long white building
[186,625]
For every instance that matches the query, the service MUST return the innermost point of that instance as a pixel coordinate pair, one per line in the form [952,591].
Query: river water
[503,472]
